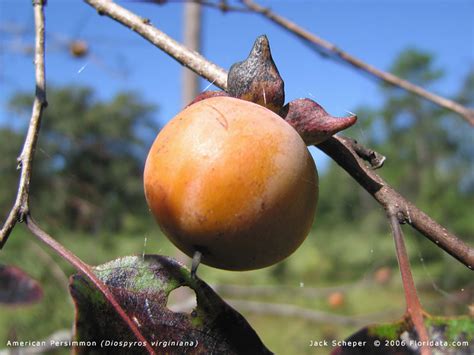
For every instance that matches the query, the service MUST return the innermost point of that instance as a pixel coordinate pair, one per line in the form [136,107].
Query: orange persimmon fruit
[233,180]
[336,300]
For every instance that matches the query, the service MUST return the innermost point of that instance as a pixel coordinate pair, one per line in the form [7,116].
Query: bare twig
[143,27]
[338,148]
[464,112]
[414,309]
[86,270]
[341,150]
[25,160]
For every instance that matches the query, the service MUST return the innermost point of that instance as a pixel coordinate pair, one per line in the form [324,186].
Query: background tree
[91,157]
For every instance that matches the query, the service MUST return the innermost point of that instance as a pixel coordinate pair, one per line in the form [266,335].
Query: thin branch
[143,27]
[464,112]
[338,148]
[414,309]
[86,270]
[25,160]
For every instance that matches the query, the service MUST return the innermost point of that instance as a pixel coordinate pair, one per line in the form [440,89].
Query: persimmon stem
[195,263]
[413,305]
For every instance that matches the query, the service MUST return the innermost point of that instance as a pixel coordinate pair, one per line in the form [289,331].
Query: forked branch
[338,148]
[342,151]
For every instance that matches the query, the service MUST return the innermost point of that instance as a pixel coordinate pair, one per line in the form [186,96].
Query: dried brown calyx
[257,79]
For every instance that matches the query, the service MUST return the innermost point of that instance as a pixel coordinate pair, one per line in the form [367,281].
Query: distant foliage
[87,174]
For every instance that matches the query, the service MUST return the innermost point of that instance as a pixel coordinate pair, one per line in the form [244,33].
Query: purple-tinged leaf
[17,288]
[141,286]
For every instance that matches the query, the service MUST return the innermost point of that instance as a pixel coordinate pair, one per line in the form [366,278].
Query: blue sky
[375,31]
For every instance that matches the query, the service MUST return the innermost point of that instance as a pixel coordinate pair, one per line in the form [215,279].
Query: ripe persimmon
[234,181]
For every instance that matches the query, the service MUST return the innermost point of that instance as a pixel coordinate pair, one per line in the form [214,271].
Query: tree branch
[464,112]
[86,270]
[341,150]
[25,160]
[338,148]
